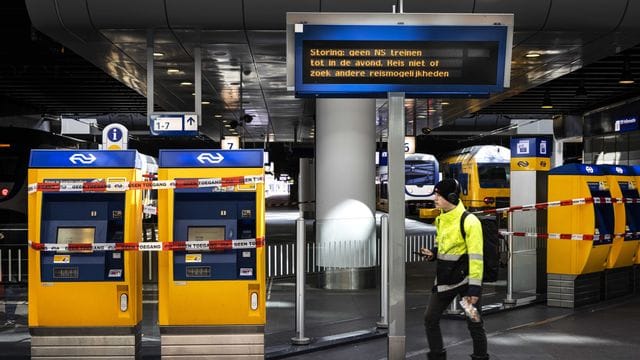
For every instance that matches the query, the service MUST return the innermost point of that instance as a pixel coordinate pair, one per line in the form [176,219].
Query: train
[15,147]
[421,175]
[483,172]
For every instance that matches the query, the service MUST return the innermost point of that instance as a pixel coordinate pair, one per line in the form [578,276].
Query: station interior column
[307,188]
[345,192]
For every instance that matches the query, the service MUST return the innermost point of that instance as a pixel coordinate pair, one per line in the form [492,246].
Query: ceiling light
[532,54]
[432,110]
[217,115]
[186,83]
[194,94]
[421,116]
[227,125]
[158,54]
[627,76]
[173,71]
[206,103]
[546,101]
[444,103]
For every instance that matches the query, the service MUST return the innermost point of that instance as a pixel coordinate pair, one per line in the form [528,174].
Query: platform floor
[608,330]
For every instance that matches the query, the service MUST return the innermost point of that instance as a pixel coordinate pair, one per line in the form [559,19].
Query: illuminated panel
[205,233]
[372,60]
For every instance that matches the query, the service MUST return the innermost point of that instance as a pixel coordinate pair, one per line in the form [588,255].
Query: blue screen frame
[496,33]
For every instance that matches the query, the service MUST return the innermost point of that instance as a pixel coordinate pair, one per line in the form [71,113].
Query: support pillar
[345,192]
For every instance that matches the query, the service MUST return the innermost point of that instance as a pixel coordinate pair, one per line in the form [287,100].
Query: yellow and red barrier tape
[118,186]
[206,245]
[569,202]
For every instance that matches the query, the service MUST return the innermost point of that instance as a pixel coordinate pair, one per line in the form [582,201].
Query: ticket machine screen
[73,235]
[201,233]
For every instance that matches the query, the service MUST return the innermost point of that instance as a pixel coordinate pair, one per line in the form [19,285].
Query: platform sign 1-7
[171,124]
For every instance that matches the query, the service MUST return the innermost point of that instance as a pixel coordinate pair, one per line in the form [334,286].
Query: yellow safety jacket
[459,259]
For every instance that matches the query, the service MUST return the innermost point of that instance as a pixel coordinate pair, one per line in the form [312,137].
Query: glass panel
[494,175]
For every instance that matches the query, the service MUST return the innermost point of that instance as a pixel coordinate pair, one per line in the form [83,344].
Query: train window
[493,175]
[419,172]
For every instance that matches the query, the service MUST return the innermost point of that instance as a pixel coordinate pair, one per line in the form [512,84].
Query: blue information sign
[84,159]
[372,60]
[211,158]
[531,147]
[115,134]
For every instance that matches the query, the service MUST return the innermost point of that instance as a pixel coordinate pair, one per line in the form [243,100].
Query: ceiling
[247,39]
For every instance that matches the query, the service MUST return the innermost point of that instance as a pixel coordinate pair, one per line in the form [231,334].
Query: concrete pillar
[345,191]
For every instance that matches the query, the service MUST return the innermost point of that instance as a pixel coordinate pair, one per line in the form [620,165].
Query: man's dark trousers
[437,304]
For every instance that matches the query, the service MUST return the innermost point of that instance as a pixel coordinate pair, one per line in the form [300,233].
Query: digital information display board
[372,60]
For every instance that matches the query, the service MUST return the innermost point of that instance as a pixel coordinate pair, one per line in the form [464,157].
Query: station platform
[603,331]
[606,330]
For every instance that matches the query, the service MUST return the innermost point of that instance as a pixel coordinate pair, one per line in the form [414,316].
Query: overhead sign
[372,60]
[210,158]
[409,144]
[115,137]
[626,124]
[230,143]
[84,158]
[531,154]
[172,124]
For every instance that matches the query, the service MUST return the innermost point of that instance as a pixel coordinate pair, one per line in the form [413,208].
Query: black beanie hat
[447,187]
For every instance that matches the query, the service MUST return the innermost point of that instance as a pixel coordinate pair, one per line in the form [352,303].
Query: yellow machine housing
[200,287]
[84,288]
[575,257]
[625,246]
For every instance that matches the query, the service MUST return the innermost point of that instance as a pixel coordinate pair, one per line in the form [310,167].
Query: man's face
[440,201]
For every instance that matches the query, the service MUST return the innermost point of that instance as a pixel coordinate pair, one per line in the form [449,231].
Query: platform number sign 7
[230,145]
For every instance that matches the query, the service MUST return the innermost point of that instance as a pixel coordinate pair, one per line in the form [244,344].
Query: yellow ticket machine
[85,293]
[211,286]
[580,236]
[618,279]
[634,227]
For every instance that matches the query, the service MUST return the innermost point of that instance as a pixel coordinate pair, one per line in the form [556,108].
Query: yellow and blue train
[483,172]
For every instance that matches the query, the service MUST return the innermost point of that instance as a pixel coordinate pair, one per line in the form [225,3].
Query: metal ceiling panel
[356,6]
[632,14]
[193,36]
[74,15]
[439,6]
[127,14]
[565,15]
[205,14]
[271,15]
[528,15]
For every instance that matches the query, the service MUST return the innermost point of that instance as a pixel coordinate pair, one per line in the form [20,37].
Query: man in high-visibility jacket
[458,270]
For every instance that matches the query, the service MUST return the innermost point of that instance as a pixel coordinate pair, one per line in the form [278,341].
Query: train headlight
[489,200]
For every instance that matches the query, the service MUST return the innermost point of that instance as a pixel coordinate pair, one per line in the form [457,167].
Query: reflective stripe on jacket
[452,247]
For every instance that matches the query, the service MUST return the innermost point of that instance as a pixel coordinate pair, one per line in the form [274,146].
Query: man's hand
[426,252]
[472,299]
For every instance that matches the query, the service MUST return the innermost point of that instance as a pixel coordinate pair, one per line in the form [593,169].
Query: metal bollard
[300,339]
[510,301]
[384,272]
